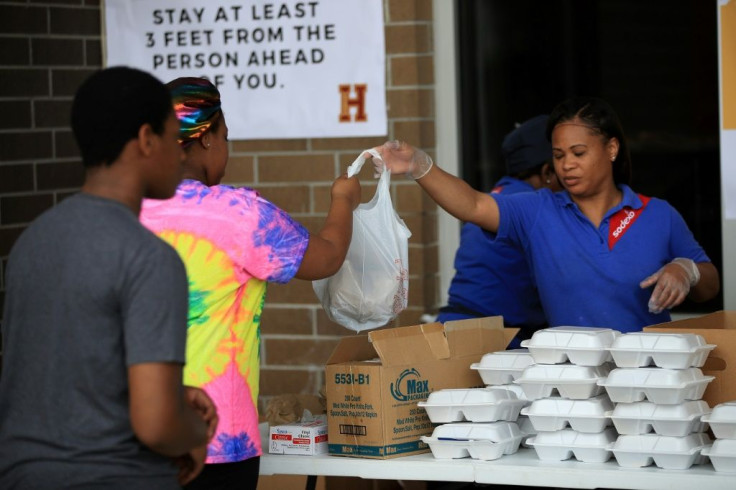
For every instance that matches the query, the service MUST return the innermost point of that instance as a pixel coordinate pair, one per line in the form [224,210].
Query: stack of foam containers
[722,452]
[657,387]
[501,369]
[569,361]
[479,422]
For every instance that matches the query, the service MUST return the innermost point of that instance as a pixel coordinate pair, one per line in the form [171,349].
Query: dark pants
[228,476]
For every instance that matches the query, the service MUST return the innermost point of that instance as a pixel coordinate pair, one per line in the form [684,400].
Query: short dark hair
[109,109]
[601,118]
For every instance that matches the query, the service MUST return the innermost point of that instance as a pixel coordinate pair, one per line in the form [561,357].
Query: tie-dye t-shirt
[232,242]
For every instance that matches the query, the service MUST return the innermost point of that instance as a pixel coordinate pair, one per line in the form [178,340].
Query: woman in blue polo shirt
[492,276]
[601,254]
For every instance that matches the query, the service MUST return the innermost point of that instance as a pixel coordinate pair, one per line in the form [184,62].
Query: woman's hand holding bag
[371,287]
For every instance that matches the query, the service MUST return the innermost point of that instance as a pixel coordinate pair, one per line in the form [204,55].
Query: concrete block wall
[48,47]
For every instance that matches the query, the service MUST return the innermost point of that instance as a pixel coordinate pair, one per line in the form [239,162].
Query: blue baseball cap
[526,146]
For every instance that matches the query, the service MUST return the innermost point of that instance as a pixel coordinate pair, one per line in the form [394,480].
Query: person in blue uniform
[492,276]
[601,254]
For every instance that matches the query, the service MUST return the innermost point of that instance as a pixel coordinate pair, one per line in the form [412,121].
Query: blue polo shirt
[588,276]
[491,276]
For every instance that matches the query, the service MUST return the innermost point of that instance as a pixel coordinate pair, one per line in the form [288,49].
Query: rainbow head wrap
[197,106]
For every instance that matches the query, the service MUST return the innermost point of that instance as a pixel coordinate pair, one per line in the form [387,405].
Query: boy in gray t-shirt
[94,325]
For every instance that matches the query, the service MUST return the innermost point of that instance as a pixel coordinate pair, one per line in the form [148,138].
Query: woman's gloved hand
[673,282]
[402,158]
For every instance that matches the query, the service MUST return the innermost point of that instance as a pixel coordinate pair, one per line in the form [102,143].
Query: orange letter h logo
[358,102]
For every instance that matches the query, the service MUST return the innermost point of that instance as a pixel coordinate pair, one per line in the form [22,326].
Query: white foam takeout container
[722,420]
[666,420]
[658,385]
[489,404]
[503,367]
[485,441]
[584,346]
[722,454]
[555,413]
[564,444]
[570,380]
[668,452]
[665,350]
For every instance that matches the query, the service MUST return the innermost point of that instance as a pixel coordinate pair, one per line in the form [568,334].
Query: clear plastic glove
[673,282]
[402,158]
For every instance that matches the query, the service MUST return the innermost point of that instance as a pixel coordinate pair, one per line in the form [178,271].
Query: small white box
[723,420]
[568,443]
[472,404]
[583,346]
[658,385]
[555,413]
[503,367]
[722,454]
[665,350]
[570,380]
[677,420]
[306,438]
[486,441]
[668,452]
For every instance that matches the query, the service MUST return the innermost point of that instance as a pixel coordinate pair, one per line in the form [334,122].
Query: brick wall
[48,47]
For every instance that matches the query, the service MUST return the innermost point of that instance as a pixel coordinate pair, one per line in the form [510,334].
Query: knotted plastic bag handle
[355,167]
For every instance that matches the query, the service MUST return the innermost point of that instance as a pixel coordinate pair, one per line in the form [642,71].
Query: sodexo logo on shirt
[409,386]
[622,221]
[629,216]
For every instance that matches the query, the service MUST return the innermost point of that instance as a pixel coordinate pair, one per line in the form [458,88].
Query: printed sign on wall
[290,69]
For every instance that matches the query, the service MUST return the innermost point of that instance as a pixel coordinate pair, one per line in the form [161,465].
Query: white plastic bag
[372,285]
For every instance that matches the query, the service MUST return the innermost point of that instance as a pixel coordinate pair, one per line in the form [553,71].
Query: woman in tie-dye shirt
[233,243]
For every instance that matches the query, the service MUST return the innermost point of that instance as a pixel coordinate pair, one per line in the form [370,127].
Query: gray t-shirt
[89,292]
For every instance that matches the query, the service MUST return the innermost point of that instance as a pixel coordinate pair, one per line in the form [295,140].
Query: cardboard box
[306,438]
[375,381]
[717,328]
